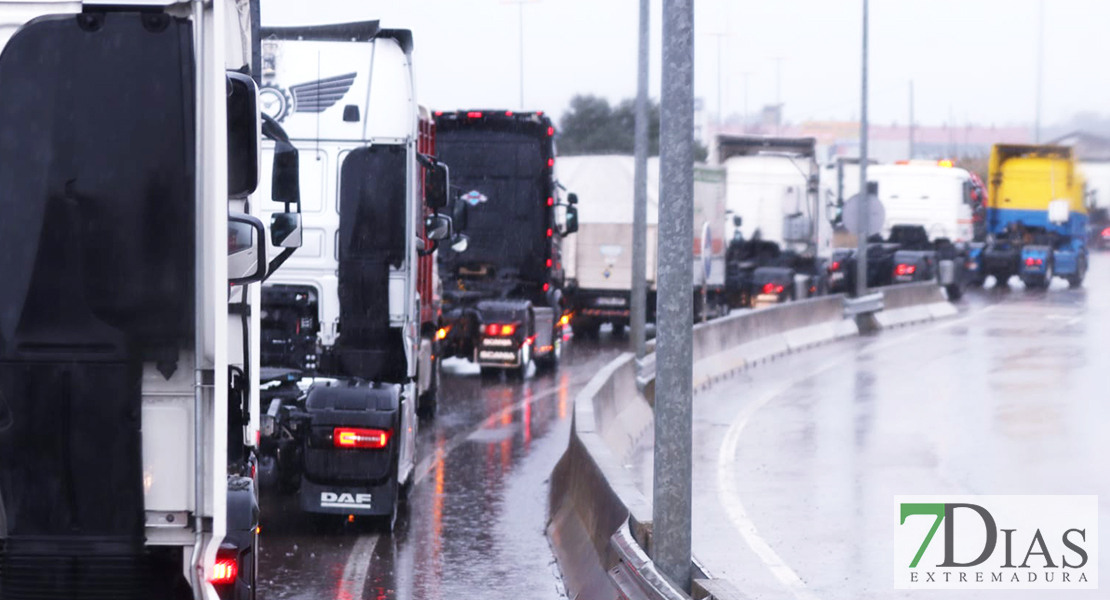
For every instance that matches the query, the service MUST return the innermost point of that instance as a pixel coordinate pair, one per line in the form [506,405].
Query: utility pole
[747,115]
[912,149]
[639,208]
[520,6]
[720,103]
[778,92]
[671,494]
[864,195]
[1040,72]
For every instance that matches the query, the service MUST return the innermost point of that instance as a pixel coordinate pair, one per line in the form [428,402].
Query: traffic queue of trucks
[152,377]
[784,219]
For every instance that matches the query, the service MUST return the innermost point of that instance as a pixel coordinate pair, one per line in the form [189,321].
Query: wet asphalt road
[474,521]
[797,462]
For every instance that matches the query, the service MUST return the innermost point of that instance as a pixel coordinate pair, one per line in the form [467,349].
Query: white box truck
[598,260]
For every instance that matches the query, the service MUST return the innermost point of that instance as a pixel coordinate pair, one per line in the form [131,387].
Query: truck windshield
[503,176]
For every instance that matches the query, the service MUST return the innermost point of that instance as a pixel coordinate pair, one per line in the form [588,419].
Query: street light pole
[864,204]
[671,494]
[520,6]
[912,149]
[1040,72]
[639,207]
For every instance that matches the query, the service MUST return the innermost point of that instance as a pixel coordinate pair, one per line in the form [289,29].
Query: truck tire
[550,362]
[587,328]
[1076,280]
[525,361]
[426,406]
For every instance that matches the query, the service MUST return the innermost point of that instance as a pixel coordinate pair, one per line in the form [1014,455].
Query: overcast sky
[972,59]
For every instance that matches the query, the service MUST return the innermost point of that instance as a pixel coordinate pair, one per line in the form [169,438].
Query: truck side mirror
[437,227]
[286,184]
[246,252]
[242,135]
[571,223]
[285,230]
[437,182]
[572,198]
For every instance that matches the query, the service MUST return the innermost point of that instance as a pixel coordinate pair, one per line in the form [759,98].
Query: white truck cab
[343,324]
[933,194]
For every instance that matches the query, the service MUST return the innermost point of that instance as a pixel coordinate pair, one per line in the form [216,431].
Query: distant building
[1088,146]
[888,143]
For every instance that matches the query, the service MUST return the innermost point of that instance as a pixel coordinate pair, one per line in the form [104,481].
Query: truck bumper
[501,356]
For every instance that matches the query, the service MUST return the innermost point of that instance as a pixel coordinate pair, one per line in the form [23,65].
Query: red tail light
[1033,262]
[474,114]
[224,571]
[835,266]
[1106,232]
[498,329]
[508,113]
[439,113]
[551,162]
[550,131]
[905,270]
[549,263]
[772,288]
[551,202]
[349,437]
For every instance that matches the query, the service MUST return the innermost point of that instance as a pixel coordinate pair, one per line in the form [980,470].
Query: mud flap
[369,500]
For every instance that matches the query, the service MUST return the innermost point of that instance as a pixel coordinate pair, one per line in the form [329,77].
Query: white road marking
[726,462]
[352,584]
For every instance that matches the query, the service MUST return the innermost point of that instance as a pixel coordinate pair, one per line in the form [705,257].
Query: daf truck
[503,300]
[350,322]
[131,258]
[1036,217]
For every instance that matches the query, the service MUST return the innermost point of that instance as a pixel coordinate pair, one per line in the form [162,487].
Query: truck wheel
[525,361]
[587,328]
[551,361]
[1075,281]
[426,407]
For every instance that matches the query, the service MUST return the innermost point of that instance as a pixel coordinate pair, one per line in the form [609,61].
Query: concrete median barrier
[599,521]
[913,303]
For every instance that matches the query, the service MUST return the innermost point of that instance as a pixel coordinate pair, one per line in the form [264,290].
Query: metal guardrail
[871,303]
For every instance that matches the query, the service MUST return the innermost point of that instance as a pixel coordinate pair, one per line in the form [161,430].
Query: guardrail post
[671,512]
